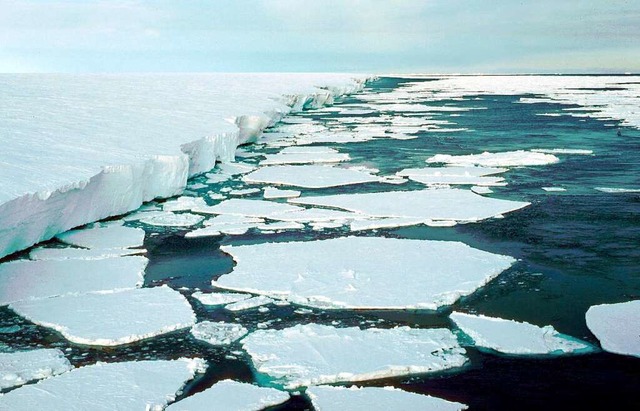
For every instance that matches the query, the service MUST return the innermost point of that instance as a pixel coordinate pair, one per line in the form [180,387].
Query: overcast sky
[377,36]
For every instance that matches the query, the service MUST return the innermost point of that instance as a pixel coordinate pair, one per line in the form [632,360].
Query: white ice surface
[503,159]
[218,333]
[170,219]
[249,303]
[328,398]
[468,171]
[553,189]
[124,386]
[310,176]
[563,151]
[304,158]
[18,368]
[614,190]
[250,208]
[359,225]
[314,354]
[244,191]
[49,253]
[183,203]
[517,338]
[617,326]
[481,190]
[25,280]
[219,298]
[104,237]
[440,204]
[362,272]
[273,192]
[112,318]
[231,395]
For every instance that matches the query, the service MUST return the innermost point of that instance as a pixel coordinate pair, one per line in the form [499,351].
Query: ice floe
[183,203]
[481,190]
[170,219]
[124,386]
[219,298]
[244,191]
[613,190]
[357,272]
[328,398]
[249,303]
[517,158]
[51,253]
[617,326]
[273,192]
[326,155]
[231,395]
[517,338]
[314,354]
[218,333]
[310,176]
[250,208]
[20,367]
[104,237]
[554,189]
[360,225]
[25,280]
[563,151]
[112,318]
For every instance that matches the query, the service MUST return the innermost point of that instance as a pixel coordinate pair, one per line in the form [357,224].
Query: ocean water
[575,249]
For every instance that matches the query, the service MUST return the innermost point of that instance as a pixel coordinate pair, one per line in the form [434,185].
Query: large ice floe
[310,176]
[362,272]
[617,326]
[441,204]
[517,338]
[231,395]
[125,386]
[26,280]
[314,354]
[18,368]
[113,318]
[328,398]
[105,143]
[504,159]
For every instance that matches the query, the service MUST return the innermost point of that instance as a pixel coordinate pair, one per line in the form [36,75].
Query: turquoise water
[574,248]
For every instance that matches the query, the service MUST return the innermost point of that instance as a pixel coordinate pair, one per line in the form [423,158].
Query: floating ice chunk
[47,253]
[310,176]
[104,237]
[231,219]
[481,190]
[23,280]
[314,354]
[441,204]
[281,225]
[197,186]
[120,386]
[328,398]
[245,191]
[554,189]
[503,159]
[393,180]
[563,151]
[309,150]
[251,208]
[360,225]
[249,303]
[354,272]
[315,215]
[302,128]
[304,158]
[183,203]
[173,220]
[216,196]
[273,192]
[231,395]
[456,171]
[18,368]
[234,168]
[611,190]
[617,326]
[517,338]
[321,225]
[215,178]
[219,298]
[113,318]
[136,216]
[458,180]
[218,333]
[226,224]
[333,137]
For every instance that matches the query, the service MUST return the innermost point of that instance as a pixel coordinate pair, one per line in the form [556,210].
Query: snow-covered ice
[360,225]
[20,367]
[218,333]
[250,208]
[503,159]
[617,326]
[104,237]
[319,155]
[517,338]
[51,253]
[183,203]
[170,219]
[273,192]
[249,303]
[617,190]
[481,190]
[328,398]
[228,395]
[454,175]
[554,189]
[357,272]
[219,298]
[314,354]
[112,318]
[310,176]
[124,386]
[24,280]
[577,151]
[244,191]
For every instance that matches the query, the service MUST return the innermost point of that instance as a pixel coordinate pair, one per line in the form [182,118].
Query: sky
[369,36]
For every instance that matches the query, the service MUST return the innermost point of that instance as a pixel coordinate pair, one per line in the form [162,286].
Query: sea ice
[25,280]
[611,190]
[231,395]
[617,326]
[314,354]
[504,159]
[273,192]
[357,272]
[183,203]
[304,158]
[50,253]
[249,303]
[553,189]
[104,237]
[123,386]
[359,225]
[172,219]
[310,176]
[219,298]
[113,318]
[250,208]
[468,171]
[481,190]
[218,333]
[517,338]
[563,151]
[328,398]
[20,367]
[244,191]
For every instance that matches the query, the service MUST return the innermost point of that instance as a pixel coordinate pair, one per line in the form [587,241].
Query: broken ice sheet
[517,338]
[250,208]
[328,398]
[503,159]
[20,367]
[454,175]
[231,395]
[360,225]
[51,253]
[357,272]
[310,176]
[218,333]
[219,298]
[327,155]
[273,192]
[113,318]
[183,203]
[120,386]
[104,237]
[314,354]
[249,303]
[617,326]
[172,219]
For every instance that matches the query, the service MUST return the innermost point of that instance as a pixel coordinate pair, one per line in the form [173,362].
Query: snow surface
[18,368]
[218,333]
[228,395]
[314,354]
[50,253]
[219,298]
[617,326]
[504,159]
[328,398]
[113,318]
[250,208]
[25,280]
[517,338]
[362,272]
[170,219]
[273,192]
[102,144]
[124,386]
[440,204]
[104,237]
[249,303]
[310,176]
